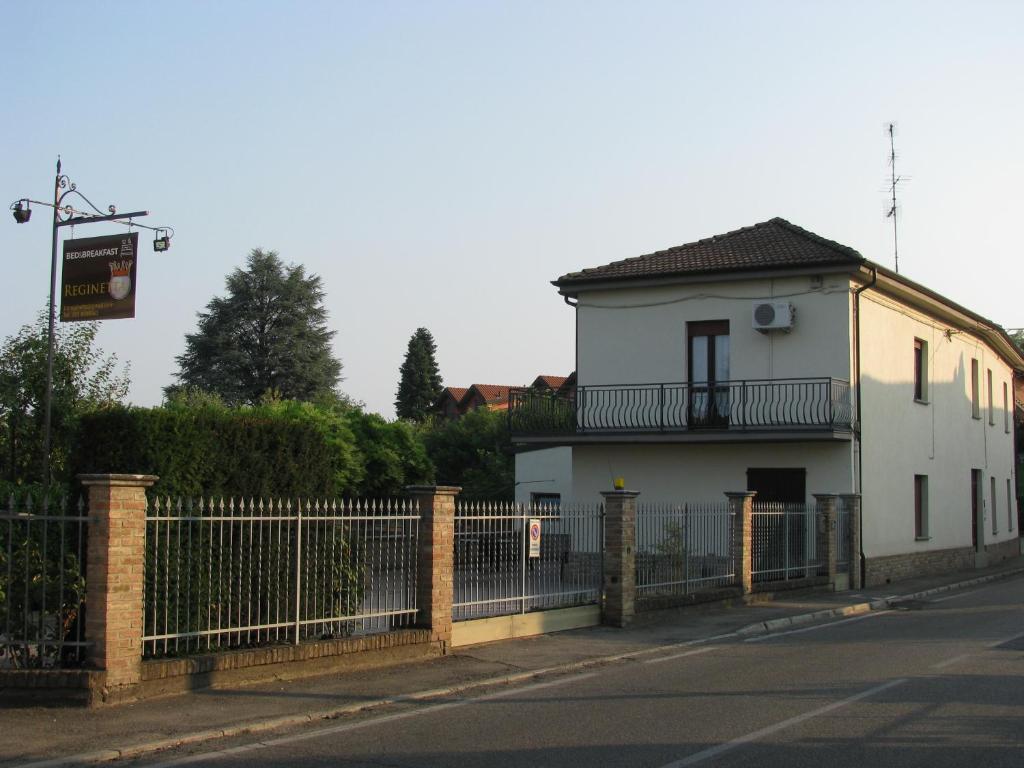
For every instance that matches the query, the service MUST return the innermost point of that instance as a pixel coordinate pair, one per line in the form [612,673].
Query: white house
[774,360]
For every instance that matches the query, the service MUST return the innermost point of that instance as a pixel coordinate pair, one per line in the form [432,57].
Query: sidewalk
[77,736]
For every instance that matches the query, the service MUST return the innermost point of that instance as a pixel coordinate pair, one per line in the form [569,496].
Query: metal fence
[681,549]
[758,405]
[42,584]
[784,542]
[496,573]
[229,574]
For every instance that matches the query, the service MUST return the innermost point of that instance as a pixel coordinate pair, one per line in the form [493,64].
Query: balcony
[721,411]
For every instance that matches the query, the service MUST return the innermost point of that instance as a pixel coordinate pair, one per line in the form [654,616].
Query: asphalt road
[931,683]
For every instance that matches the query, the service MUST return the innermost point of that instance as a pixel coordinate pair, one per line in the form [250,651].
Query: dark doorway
[785,486]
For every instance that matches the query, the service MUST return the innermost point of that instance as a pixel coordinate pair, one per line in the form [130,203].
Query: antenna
[892,190]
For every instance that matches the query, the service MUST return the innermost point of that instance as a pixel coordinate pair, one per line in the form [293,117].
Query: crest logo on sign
[120,284]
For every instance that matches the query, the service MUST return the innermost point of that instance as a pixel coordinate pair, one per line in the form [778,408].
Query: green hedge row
[280,449]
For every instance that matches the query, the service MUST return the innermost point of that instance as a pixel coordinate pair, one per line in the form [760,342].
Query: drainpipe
[857,389]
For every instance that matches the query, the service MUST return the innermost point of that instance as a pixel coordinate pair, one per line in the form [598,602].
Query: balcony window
[708,365]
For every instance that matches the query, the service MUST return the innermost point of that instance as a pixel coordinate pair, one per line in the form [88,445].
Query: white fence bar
[242,573]
[683,548]
[495,574]
[784,542]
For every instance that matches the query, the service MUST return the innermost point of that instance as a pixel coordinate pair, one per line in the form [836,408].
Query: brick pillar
[851,502]
[114,574]
[742,503]
[619,557]
[827,553]
[435,561]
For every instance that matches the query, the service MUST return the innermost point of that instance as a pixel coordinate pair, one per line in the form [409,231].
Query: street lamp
[21,215]
[163,242]
[65,215]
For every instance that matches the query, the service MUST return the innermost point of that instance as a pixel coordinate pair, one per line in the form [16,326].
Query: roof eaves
[676,276]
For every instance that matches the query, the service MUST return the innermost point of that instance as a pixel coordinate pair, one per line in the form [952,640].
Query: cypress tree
[420,384]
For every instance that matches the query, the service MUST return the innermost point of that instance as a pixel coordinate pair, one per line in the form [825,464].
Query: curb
[259,726]
[759,628]
[774,625]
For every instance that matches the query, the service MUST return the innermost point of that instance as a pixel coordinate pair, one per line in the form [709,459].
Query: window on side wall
[920,371]
[1006,409]
[991,400]
[1009,507]
[920,506]
[995,506]
[975,390]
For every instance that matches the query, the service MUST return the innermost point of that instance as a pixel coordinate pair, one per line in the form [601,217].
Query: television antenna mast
[892,191]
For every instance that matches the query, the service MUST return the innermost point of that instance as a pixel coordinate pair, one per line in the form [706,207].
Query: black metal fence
[42,583]
[769,404]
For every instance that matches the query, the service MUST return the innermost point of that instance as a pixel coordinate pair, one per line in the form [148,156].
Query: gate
[497,574]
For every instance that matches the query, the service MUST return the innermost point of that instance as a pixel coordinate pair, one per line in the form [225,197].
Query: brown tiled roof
[772,244]
[553,382]
[456,393]
[492,393]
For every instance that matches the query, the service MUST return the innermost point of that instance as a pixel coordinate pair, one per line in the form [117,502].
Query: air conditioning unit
[774,316]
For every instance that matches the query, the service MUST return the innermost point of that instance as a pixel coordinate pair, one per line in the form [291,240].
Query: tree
[267,335]
[84,378]
[475,452]
[1017,337]
[420,384]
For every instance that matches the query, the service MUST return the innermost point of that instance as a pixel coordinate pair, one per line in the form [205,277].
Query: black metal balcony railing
[755,405]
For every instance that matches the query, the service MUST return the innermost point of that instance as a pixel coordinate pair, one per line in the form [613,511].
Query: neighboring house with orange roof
[494,397]
[552,383]
[457,401]
[449,405]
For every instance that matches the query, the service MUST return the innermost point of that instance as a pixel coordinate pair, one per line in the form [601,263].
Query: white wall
[548,470]
[940,439]
[699,473]
[638,336]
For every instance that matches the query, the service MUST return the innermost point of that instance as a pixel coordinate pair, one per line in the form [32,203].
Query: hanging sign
[534,537]
[98,278]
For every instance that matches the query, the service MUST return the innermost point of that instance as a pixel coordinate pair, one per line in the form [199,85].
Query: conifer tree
[420,384]
[267,337]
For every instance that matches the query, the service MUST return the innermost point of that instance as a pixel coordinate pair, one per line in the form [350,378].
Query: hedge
[280,449]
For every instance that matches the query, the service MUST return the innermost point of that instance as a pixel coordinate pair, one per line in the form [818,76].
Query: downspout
[575,400]
[857,390]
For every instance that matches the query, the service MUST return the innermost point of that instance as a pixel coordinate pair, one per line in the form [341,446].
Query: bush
[276,449]
[474,451]
[197,445]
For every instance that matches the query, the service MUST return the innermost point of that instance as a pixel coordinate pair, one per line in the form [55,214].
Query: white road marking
[344,727]
[674,656]
[816,627]
[707,754]
[954,597]
[1005,640]
[952,661]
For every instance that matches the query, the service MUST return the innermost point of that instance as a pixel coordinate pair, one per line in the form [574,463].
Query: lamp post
[65,215]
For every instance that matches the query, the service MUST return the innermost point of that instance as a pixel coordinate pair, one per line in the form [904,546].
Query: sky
[437,164]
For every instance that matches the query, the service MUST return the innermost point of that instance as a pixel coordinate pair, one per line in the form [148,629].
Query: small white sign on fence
[534,537]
